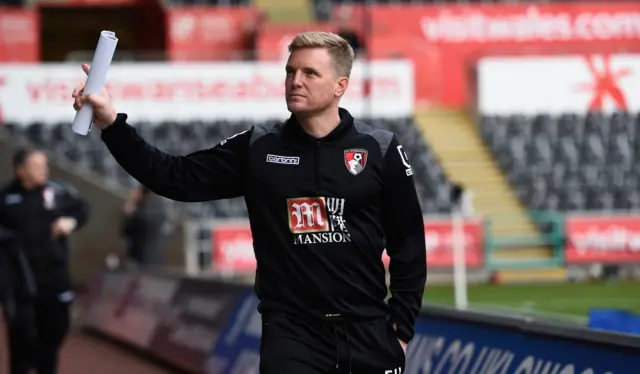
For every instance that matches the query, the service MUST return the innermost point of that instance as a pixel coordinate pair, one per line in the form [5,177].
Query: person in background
[41,214]
[143,227]
[347,31]
[17,294]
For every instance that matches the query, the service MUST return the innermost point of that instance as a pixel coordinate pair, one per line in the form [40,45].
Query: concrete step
[461,151]
[541,275]
[521,253]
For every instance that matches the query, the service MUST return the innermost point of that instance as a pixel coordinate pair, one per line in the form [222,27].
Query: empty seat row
[91,155]
[567,162]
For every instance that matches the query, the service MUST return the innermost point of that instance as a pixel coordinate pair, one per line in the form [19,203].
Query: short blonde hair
[339,49]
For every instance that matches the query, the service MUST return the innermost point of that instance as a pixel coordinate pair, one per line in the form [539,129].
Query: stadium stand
[222,3]
[569,162]
[183,138]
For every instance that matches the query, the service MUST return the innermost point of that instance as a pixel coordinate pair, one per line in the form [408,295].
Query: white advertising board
[553,85]
[165,91]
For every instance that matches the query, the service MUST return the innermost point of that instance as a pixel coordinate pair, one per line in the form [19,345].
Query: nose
[296,81]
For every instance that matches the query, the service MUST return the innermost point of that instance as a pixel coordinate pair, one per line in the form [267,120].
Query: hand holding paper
[91,101]
[103,113]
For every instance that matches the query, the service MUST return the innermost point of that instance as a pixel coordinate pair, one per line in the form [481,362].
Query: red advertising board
[233,246]
[606,239]
[444,42]
[210,34]
[233,249]
[439,238]
[88,3]
[273,39]
[198,315]
[128,306]
[19,35]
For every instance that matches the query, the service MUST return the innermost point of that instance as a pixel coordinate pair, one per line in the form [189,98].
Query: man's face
[312,83]
[35,170]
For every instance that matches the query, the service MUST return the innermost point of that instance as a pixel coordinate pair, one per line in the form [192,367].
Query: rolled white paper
[102,57]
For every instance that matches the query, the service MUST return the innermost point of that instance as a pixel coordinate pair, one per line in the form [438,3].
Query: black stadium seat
[182,138]
[570,162]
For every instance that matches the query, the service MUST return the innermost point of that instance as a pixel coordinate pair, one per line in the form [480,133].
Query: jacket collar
[295,132]
[17,186]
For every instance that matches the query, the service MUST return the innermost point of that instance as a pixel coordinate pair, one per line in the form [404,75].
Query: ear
[19,170]
[341,86]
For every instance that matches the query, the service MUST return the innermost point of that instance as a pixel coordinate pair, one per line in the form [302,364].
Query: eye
[311,73]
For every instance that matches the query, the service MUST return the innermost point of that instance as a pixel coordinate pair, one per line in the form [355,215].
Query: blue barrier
[614,320]
[445,345]
[453,346]
[237,350]
[165,316]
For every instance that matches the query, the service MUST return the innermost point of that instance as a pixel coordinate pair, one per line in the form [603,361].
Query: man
[9,290]
[319,224]
[144,218]
[41,214]
[345,21]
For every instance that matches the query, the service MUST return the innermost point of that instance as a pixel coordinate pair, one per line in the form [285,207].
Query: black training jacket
[29,214]
[321,212]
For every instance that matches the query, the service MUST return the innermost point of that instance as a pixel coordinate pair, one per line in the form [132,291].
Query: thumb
[94,100]
[86,68]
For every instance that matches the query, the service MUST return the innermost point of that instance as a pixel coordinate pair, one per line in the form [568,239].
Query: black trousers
[294,345]
[36,332]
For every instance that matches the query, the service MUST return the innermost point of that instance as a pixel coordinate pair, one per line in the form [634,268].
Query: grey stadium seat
[182,138]
[571,161]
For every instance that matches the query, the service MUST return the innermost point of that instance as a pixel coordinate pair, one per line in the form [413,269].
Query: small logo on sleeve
[405,161]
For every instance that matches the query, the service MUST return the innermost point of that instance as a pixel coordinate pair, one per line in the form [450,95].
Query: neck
[28,185]
[321,124]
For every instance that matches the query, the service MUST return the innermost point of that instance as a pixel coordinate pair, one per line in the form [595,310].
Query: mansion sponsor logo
[317,220]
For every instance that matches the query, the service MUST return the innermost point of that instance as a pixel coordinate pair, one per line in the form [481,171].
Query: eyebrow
[305,68]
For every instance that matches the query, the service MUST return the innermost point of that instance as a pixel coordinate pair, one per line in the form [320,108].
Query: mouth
[292,96]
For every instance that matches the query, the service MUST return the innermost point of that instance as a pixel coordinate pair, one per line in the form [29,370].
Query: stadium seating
[569,162]
[181,138]
[11,3]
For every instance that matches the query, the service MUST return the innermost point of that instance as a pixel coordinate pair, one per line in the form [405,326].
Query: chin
[297,108]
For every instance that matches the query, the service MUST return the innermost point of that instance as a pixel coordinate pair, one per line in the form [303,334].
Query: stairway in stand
[286,11]
[519,255]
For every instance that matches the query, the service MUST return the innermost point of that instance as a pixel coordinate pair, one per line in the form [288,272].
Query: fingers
[94,100]
[78,90]
[80,101]
[77,103]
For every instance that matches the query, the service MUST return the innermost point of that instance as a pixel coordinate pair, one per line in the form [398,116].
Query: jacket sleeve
[5,219]
[405,244]
[211,174]
[71,204]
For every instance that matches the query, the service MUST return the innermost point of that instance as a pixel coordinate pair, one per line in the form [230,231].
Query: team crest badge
[49,197]
[355,160]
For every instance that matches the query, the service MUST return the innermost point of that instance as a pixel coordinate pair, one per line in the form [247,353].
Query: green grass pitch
[571,301]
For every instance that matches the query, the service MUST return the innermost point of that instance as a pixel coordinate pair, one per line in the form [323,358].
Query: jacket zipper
[317,166]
